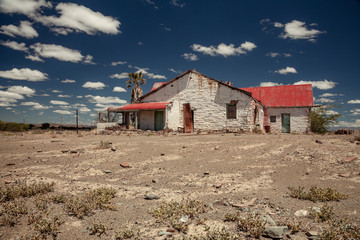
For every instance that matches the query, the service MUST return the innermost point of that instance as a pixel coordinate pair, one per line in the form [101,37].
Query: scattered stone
[218,185]
[319,142]
[77,154]
[184,219]
[206,173]
[107,171]
[301,213]
[151,196]
[125,165]
[10,164]
[8,181]
[276,232]
[248,203]
[171,230]
[154,181]
[350,159]
[39,151]
[74,151]
[312,235]
[345,175]
[216,147]
[297,237]
[316,209]
[162,154]
[113,149]
[65,151]
[164,233]
[269,220]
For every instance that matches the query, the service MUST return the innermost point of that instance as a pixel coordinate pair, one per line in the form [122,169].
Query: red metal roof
[157,84]
[140,106]
[284,96]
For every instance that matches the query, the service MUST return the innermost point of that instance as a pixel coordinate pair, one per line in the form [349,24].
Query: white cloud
[79,96]
[94,85]
[79,18]
[330,95]
[65,112]
[123,75]
[84,109]
[346,124]
[272,54]
[278,25]
[286,70]
[23,90]
[56,91]
[7,99]
[297,30]
[24,74]
[325,100]
[34,58]
[118,63]
[322,85]
[119,89]
[68,81]
[55,102]
[355,111]
[88,59]
[57,51]
[224,50]
[23,30]
[287,55]
[148,74]
[105,100]
[140,43]
[35,105]
[177,3]
[26,7]
[331,112]
[173,70]
[63,96]
[269,84]
[190,56]
[356,101]
[15,46]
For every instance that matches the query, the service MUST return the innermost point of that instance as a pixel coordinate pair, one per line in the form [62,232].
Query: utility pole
[77,121]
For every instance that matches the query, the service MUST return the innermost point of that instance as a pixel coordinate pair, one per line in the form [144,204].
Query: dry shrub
[252,224]
[9,193]
[98,229]
[217,234]
[341,229]
[11,212]
[316,194]
[326,213]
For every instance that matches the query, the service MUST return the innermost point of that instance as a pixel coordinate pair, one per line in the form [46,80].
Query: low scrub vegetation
[10,193]
[326,213]
[252,224]
[11,212]
[217,234]
[13,127]
[316,194]
[341,229]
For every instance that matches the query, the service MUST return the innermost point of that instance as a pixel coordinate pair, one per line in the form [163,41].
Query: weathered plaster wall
[208,100]
[299,119]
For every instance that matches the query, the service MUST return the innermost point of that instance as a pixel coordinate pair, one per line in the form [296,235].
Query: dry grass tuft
[252,224]
[10,193]
[316,194]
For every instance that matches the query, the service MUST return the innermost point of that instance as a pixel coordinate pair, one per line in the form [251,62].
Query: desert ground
[229,174]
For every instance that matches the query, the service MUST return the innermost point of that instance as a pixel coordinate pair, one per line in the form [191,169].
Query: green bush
[322,118]
[13,127]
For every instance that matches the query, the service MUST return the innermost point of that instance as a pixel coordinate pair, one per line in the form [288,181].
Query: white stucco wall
[299,119]
[207,99]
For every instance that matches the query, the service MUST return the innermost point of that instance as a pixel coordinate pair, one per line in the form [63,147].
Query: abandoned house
[193,101]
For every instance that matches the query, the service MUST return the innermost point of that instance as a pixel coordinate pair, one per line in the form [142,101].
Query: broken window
[272,118]
[231,111]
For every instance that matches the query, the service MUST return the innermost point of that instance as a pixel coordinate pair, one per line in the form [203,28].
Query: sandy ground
[222,170]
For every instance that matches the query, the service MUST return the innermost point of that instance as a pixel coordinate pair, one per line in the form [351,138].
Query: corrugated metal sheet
[157,84]
[140,106]
[284,96]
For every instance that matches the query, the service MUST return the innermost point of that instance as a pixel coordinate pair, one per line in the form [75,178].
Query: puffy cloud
[63,96]
[325,100]
[15,45]
[173,70]
[55,102]
[269,84]
[355,111]
[123,75]
[64,112]
[84,109]
[322,85]
[286,70]
[34,58]
[356,101]
[26,7]
[88,59]
[297,30]
[105,100]
[177,3]
[23,90]
[79,18]
[330,95]
[94,85]
[24,74]
[68,81]
[346,124]
[190,56]
[224,50]
[25,29]
[272,54]
[148,74]
[7,99]
[118,63]
[57,51]
[278,25]
[56,91]
[119,89]
[35,105]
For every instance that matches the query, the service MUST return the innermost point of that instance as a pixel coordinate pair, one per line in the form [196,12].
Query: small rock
[113,149]
[39,150]
[107,171]
[73,151]
[319,142]
[65,151]
[171,230]
[301,213]
[345,175]
[184,219]
[216,147]
[312,234]
[297,237]
[77,154]
[125,165]
[151,196]
[8,181]
[162,154]
[206,173]
[316,209]
[218,185]
[164,233]
[276,232]
[269,220]
[350,159]
[10,164]
[154,181]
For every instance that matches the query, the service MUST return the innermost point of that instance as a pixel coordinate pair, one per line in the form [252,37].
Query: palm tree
[135,80]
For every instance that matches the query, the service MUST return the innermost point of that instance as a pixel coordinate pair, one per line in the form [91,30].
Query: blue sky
[59,56]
